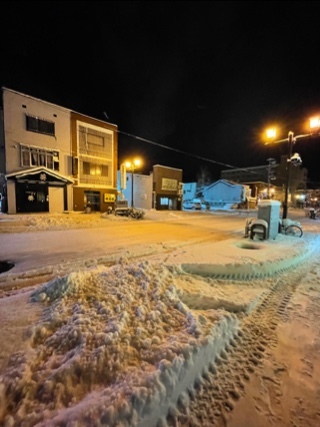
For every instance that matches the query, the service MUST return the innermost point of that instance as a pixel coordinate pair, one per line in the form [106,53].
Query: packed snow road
[42,246]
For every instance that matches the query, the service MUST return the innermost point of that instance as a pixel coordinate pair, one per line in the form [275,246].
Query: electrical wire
[188,154]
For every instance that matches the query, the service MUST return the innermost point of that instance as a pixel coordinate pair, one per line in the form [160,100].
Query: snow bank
[115,347]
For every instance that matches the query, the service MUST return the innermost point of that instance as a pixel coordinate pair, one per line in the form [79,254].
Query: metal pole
[271,162]
[132,187]
[269,173]
[285,203]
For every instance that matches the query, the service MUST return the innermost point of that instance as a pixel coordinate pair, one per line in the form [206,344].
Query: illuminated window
[95,169]
[164,201]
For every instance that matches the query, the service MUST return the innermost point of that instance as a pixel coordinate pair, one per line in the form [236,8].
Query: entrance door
[92,199]
[56,199]
[32,197]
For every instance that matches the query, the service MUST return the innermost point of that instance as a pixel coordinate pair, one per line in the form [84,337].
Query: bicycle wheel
[293,230]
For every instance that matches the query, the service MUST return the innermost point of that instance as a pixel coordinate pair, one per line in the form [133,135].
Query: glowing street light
[271,133]
[314,124]
[132,165]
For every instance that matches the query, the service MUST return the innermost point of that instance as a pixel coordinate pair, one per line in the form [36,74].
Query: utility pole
[270,174]
[291,141]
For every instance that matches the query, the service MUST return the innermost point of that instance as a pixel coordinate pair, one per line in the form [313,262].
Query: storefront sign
[109,197]
[169,184]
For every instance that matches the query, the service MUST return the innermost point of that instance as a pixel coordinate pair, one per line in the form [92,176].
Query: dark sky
[204,78]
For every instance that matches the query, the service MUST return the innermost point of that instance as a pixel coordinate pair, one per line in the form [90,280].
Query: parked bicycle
[290,227]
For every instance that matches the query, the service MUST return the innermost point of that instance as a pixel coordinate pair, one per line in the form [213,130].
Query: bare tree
[203,177]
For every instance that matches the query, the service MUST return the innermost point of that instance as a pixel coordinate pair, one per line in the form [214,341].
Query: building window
[94,142]
[95,169]
[95,173]
[34,156]
[34,124]
[164,201]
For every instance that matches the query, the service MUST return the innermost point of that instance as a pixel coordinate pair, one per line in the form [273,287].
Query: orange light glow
[132,164]
[314,122]
[271,133]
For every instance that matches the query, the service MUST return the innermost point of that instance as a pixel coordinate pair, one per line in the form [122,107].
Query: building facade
[249,174]
[161,190]
[189,191]
[137,189]
[54,159]
[94,151]
[167,188]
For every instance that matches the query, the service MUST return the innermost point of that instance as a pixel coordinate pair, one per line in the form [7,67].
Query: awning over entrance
[40,174]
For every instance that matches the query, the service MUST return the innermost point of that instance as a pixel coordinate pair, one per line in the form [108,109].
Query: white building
[54,159]
[189,191]
[141,190]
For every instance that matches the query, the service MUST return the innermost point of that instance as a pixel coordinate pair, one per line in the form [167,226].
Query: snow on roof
[225,182]
[37,170]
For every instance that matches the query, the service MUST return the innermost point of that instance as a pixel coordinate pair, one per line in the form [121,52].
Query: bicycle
[290,228]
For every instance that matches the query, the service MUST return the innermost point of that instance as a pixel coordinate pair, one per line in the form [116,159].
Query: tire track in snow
[219,389]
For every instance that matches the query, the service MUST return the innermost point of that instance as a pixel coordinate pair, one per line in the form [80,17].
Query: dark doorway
[32,197]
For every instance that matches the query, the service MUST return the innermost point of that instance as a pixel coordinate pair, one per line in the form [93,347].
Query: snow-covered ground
[129,344]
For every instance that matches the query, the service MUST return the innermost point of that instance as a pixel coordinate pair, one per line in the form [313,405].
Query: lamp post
[271,134]
[132,165]
[291,141]
[314,125]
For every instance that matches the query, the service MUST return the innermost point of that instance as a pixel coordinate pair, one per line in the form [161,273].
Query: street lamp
[132,165]
[291,141]
[271,135]
[314,126]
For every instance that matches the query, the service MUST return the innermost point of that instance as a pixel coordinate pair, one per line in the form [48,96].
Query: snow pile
[57,221]
[243,259]
[115,347]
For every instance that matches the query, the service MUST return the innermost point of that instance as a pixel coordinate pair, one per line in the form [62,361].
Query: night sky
[190,84]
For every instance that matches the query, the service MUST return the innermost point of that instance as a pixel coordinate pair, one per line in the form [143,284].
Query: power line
[188,154]
[177,150]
